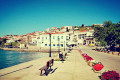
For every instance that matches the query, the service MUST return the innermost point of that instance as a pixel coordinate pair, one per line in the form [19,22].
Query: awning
[71,42]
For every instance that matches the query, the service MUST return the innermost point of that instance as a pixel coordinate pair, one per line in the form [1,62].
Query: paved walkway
[74,68]
[110,61]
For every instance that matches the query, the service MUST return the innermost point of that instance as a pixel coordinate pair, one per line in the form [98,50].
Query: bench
[62,57]
[47,66]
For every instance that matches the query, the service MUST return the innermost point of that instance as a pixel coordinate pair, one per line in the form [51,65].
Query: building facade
[53,40]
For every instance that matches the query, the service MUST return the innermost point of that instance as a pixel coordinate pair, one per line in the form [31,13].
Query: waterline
[11,58]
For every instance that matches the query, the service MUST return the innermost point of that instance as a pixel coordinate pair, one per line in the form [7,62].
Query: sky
[18,17]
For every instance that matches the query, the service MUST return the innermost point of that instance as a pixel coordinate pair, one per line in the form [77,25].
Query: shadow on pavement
[16,70]
[49,71]
[54,70]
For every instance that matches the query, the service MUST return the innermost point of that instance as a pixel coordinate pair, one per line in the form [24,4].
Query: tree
[67,29]
[107,23]
[82,25]
[4,40]
[82,29]
[79,27]
[108,35]
[0,42]
[99,34]
[14,44]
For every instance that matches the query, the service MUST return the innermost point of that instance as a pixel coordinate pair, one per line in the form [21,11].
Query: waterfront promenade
[74,68]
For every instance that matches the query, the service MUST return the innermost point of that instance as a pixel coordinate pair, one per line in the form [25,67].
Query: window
[49,44]
[53,37]
[61,45]
[45,44]
[67,38]
[61,37]
[42,38]
[79,36]
[53,44]
[57,44]
[83,36]
[38,38]
[57,37]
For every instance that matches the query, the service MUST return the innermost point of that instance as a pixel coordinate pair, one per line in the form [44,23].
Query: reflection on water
[10,58]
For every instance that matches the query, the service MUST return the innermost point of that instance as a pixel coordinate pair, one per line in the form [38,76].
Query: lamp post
[50,45]
[64,45]
[58,45]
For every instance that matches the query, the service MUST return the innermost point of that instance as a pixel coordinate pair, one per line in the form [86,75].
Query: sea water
[11,58]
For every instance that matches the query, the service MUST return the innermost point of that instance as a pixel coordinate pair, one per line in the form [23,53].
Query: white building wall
[22,45]
[11,40]
[44,40]
[81,36]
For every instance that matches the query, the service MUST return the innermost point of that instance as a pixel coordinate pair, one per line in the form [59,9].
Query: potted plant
[95,62]
[98,49]
[119,54]
[87,58]
[115,53]
[90,62]
[84,55]
[105,50]
[101,50]
[97,67]
[110,75]
[108,51]
[95,49]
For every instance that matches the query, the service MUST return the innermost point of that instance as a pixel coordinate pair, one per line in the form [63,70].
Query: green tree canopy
[109,34]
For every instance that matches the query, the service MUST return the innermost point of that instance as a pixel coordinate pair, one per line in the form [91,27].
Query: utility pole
[50,45]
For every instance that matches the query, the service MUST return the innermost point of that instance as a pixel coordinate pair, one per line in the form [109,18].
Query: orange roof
[83,31]
[55,33]
[26,34]
[32,33]
[62,27]
[8,39]
[17,36]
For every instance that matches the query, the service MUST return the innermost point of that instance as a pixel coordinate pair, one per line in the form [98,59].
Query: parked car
[92,45]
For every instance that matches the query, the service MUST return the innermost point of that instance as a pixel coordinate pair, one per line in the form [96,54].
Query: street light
[64,45]
[50,45]
[58,45]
